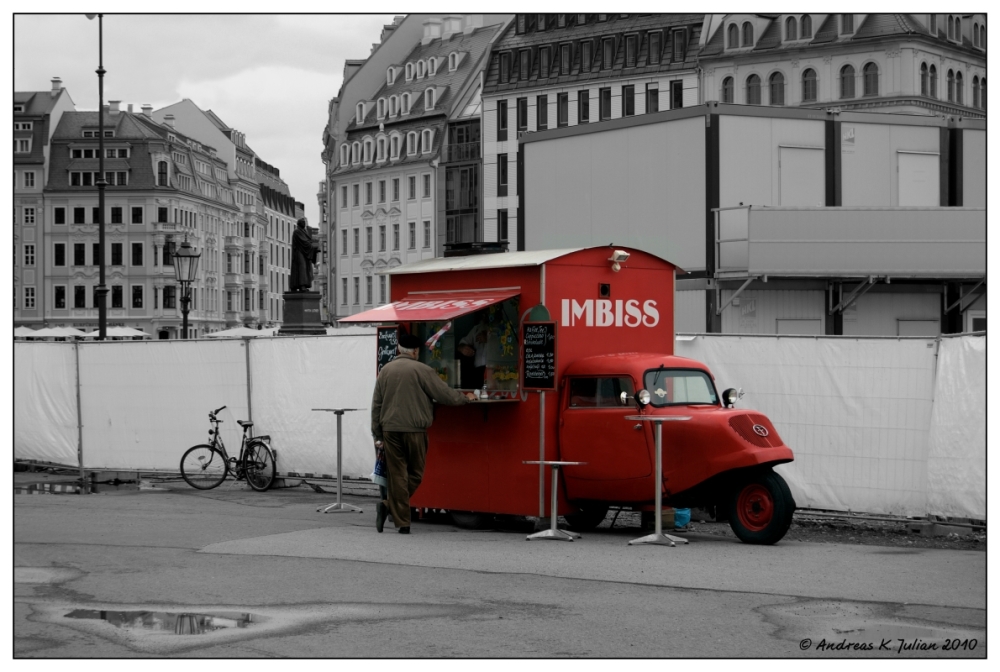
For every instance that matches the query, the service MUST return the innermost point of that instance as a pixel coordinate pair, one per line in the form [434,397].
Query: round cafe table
[658,538]
[554,533]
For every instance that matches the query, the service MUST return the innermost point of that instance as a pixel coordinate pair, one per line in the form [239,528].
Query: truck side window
[599,392]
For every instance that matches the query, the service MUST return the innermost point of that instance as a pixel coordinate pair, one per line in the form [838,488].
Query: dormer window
[581,19]
[426,138]
[380,155]
[344,155]
[368,150]
[747,34]
[361,113]
[791,29]
[390,76]
[394,147]
[846,24]
[356,153]
[409,71]
[406,103]
[958,29]
[807,27]
[934,28]
[421,69]
[429,99]
[393,106]
[381,108]
[411,143]
[733,37]
[452,61]
[432,66]
[561,20]
[541,22]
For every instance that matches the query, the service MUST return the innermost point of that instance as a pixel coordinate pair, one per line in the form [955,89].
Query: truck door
[593,429]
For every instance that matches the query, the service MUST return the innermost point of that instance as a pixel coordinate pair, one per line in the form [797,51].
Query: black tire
[203,467]
[471,520]
[587,518]
[761,508]
[259,466]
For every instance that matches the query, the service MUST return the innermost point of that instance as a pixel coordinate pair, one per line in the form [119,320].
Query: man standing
[402,410]
[472,348]
[304,253]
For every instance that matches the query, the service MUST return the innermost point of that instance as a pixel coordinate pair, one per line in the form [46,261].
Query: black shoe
[404,530]
[381,512]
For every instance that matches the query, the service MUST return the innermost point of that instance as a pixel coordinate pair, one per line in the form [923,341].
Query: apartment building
[564,70]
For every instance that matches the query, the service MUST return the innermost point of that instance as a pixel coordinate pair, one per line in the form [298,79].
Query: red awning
[433,306]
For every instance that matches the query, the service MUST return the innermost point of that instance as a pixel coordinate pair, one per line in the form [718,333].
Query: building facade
[928,64]
[564,70]
[36,116]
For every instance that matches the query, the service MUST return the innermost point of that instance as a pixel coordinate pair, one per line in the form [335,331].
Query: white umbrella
[24,331]
[57,332]
[241,332]
[117,332]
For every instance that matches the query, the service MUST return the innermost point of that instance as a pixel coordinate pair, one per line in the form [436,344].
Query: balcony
[234,243]
[233,317]
[466,151]
[234,280]
[895,242]
[249,243]
[249,279]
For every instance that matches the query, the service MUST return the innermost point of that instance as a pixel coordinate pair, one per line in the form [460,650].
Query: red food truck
[561,346]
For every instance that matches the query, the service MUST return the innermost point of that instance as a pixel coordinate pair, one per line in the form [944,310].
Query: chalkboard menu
[538,355]
[386,347]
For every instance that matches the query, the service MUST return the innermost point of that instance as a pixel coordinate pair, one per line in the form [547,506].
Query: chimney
[432,30]
[56,86]
[130,108]
[114,106]
[168,119]
[452,25]
[472,21]
[147,109]
[387,31]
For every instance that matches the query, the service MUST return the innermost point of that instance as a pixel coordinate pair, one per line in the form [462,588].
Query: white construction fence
[879,425]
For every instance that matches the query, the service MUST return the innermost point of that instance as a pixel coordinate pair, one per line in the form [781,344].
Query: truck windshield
[669,387]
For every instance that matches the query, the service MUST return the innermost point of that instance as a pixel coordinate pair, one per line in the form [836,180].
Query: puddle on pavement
[858,625]
[168,622]
[74,488]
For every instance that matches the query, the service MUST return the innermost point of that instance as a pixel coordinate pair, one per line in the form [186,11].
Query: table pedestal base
[555,534]
[339,507]
[660,539]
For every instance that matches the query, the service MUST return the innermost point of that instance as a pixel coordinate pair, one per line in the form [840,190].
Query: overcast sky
[269,76]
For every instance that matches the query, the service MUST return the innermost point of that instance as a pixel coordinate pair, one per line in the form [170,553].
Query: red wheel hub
[755,507]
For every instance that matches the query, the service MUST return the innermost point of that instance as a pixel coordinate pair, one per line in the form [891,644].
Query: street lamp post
[102,288]
[186,268]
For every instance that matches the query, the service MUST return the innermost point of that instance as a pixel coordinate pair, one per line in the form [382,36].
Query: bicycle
[206,465]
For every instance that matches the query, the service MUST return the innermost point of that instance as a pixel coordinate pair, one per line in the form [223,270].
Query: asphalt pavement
[132,573]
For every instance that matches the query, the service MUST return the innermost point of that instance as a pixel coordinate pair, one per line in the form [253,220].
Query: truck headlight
[642,396]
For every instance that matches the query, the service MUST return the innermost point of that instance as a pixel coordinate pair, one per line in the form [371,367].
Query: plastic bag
[380,474]
[682,517]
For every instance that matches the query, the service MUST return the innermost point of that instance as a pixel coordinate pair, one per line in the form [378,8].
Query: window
[680,44]
[22,145]
[381,191]
[356,153]
[357,195]
[59,254]
[96,255]
[747,34]
[542,112]
[121,178]
[565,59]
[406,103]
[501,174]
[776,86]
[22,125]
[380,150]
[343,291]
[975,91]
[524,67]
[117,296]
[870,72]
[676,94]
[29,255]
[426,140]
[791,29]
[79,296]
[544,62]
[727,90]
[599,392]
[520,24]
[413,236]
[934,27]
[79,254]
[427,234]
[59,215]
[562,109]
[846,23]
[343,196]
[583,106]
[542,19]
[924,80]
[604,96]
[502,224]
[809,86]
[137,254]
[807,27]
[381,289]
[380,108]
[959,88]
[652,98]
[933,81]
[343,242]
[368,239]
[29,216]
[395,189]
[137,296]
[586,57]
[847,81]
[654,48]
[608,51]
[368,289]
[381,237]
[733,36]
[628,100]
[753,90]
[368,193]
[522,114]
[29,297]
[117,254]
[395,236]
[29,179]
[411,187]
[504,67]
[136,214]
[501,120]
[357,240]
[59,296]
[429,99]
[951,86]
[116,215]
[161,174]
[631,49]
[427,186]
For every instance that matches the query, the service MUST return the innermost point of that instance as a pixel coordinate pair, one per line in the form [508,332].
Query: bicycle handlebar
[212,414]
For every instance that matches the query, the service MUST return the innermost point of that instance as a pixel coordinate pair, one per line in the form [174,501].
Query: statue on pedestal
[304,253]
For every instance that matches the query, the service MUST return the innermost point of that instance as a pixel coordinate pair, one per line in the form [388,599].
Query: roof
[482,261]
[37,103]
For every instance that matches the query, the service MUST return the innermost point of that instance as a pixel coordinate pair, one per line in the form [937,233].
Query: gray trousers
[405,456]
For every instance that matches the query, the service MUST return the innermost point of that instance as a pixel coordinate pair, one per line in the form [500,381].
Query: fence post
[79,419]
[246,342]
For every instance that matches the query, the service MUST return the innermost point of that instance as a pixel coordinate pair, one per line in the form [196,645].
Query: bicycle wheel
[203,467]
[258,465]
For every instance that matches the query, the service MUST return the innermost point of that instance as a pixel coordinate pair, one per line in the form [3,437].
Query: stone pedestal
[302,316]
